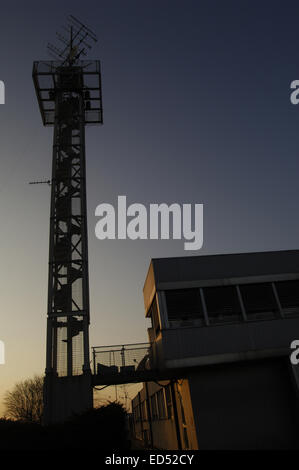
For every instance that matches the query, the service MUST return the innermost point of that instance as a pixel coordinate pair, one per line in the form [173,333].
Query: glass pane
[161,404]
[168,401]
[155,316]
[154,407]
[183,304]
[222,304]
[288,293]
[259,301]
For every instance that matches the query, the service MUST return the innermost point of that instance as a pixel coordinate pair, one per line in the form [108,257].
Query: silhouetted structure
[69,95]
[224,325]
[80,434]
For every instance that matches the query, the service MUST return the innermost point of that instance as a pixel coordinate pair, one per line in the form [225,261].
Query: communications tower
[68,90]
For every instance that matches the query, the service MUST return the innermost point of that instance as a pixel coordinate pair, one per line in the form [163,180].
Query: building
[223,324]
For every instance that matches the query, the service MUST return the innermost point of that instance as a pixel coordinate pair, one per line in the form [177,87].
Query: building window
[143,411]
[155,316]
[259,301]
[137,413]
[161,404]
[184,305]
[222,304]
[145,439]
[168,402]
[134,414]
[154,407]
[185,434]
[288,293]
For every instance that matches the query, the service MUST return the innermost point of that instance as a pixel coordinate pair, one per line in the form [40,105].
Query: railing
[126,359]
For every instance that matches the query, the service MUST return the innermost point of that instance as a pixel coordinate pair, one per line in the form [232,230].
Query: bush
[101,429]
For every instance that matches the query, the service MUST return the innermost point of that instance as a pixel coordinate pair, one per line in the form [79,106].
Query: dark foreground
[100,429]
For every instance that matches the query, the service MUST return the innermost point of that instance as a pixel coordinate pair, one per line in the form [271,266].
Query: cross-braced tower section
[69,98]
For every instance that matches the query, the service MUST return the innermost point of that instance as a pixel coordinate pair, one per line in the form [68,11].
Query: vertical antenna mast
[69,95]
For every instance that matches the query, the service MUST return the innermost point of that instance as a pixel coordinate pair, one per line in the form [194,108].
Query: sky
[196,98]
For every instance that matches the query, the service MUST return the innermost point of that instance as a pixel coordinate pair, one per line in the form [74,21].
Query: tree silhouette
[25,401]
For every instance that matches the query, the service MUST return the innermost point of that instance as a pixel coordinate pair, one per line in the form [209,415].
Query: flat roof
[228,265]
[221,266]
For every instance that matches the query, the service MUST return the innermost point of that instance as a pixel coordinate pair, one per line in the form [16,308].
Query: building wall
[191,346]
[151,423]
[160,424]
[250,405]
[245,405]
[225,323]
[185,415]
[65,397]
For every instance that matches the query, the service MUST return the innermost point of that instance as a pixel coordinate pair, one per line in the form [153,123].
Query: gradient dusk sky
[197,109]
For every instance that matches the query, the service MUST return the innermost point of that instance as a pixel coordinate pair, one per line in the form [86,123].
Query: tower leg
[68,388]
[65,397]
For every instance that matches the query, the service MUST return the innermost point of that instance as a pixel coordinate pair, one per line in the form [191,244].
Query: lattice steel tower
[69,95]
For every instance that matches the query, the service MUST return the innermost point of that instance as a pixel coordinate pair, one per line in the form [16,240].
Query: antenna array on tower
[81,39]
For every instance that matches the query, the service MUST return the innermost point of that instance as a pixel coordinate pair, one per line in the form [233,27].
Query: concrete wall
[250,405]
[65,397]
[191,346]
